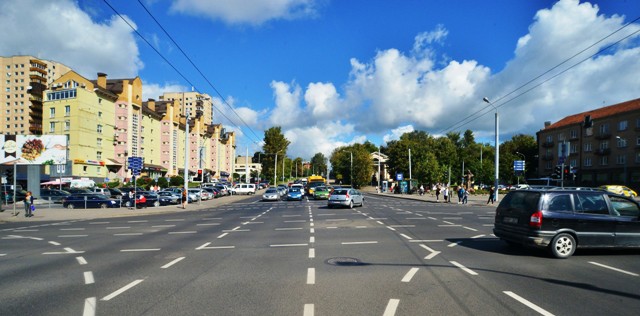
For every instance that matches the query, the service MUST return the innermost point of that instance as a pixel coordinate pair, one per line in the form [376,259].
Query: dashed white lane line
[292,228]
[465,269]
[522,300]
[206,246]
[2,254]
[71,229]
[236,230]
[312,239]
[98,223]
[451,245]
[469,228]
[72,236]
[391,228]
[289,245]
[142,221]
[172,263]
[88,277]
[208,224]
[89,306]
[312,253]
[174,220]
[184,232]
[406,237]
[163,226]
[222,235]
[140,250]
[81,260]
[66,251]
[308,310]
[407,277]
[358,242]
[54,243]
[128,234]
[427,240]
[121,290]
[612,268]
[119,227]
[296,221]
[311,276]
[392,306]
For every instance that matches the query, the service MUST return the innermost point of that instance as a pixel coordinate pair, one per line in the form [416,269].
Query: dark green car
[321,193]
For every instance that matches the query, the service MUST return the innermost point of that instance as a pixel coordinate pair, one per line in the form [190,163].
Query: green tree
[274,144]
[527,146]
[361,169]
[319,164]
[163,183]
[176,181]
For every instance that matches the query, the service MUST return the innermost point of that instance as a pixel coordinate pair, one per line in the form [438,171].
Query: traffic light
[557,172]
[566,171]
[198,176]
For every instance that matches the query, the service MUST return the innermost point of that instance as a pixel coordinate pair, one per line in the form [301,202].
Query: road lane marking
[172,263]
[392,306]
[433,218]
[401,226]
[174,220]
[67,251]
[432,254]
[465,269]
[211,218]
[89,306]
[406,237]
[98,223]
[312,253]
[296,221]
[208,224]
[54,243]
[312,239]
[142,221]
[81,260]
[140,250]
[88,278]
[450,223]
[427,240]
[308,310]
[336,220]
[478,236]
[71,228]
[312,230]
[128,234]
[410,274]
[236,230]
[184,232]
[451,245]
[412,218]
[292,228]
[527,303]
[358,242]
[121,227]
[311,276]
[72,236]
[121,290]
[163,226]
[469,228]
[289,245]
[223,235]
[614,269]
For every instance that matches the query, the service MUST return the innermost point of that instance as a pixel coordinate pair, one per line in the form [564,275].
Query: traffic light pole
[562,176]
[15,175]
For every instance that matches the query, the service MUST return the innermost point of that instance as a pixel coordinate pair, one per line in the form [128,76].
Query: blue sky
[336,72]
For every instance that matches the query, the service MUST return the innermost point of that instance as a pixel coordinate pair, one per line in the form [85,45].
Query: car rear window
[340,192]
[526,201]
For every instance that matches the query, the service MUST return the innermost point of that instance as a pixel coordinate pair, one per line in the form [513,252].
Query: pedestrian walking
[421,189]
[184,198]
[460,194]
[445,194]
[492,195]
[437,193]
[28,205]
[465,196]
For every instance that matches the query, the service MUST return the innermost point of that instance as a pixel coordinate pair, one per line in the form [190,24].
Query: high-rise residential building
[24,79]
[189,101]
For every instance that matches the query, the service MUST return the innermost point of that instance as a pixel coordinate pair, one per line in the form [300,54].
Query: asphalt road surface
[390,257]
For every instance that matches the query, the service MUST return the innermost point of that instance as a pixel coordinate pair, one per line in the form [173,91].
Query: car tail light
[536,219]
[346,196]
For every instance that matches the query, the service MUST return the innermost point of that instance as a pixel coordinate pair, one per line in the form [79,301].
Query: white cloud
[287,112]
[322,100]
[324,138]
[253,12]
[397,132]
[61,31]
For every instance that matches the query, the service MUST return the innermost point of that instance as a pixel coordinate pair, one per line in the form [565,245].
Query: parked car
[619,189]
[104,191]
[295,194]
[213,192]
[174,198]
[563,220]
[150,200]
[244,188]
[115,193]
[321,193]
[53,195]
[345,197]
[271,195]
[89,200]
[79,191]
[223,189]
[199,194]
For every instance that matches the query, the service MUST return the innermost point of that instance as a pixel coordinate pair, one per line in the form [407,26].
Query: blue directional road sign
[135,165]
[518,165]
[400,176]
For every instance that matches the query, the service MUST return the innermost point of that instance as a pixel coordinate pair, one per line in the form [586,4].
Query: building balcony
[35,129]
[548,144]
[40,70]
[547,157]
[602,151]
[603,135]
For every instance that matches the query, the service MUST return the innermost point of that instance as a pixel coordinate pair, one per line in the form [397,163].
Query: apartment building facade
[602,146]
[24,80]
[192,102]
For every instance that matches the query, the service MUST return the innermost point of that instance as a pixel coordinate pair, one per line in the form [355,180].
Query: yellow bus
[313,182]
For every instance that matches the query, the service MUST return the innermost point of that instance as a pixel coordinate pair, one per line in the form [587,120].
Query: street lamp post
[497,174]
[524,170]
[186,159]
[624,173]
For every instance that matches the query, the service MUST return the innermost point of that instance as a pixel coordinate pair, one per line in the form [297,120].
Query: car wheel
[563,246]
[70,206]
[103,205]
[156,203]
[351,204]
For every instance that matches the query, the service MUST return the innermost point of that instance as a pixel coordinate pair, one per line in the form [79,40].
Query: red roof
[607,111]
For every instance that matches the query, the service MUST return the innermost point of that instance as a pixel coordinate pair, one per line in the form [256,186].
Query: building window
[604,160]
[604,144]
[622,142]
[99,114]
[67,125]
[99,155]
[622,126]
[604,129]
[573,163]
[52,112]
[67,110]
[573,149]
[587,162]
[587,147]
[621,159]
[52,127]
[573,134]
[99,129]
[549,138]
[99,142]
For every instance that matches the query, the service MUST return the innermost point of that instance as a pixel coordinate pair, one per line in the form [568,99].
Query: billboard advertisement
[33,149]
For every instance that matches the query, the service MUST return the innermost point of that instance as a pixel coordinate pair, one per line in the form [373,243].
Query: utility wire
[162,56]
[472,117]
[198,69]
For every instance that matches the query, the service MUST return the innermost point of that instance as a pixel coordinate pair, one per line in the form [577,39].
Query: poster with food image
[33,149]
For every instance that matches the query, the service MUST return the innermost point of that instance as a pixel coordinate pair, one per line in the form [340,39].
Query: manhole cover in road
[345,261]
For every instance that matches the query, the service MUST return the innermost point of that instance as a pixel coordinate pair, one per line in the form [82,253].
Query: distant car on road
[321,193]
[271,194]
[90,200]
[345,197]
[295,193]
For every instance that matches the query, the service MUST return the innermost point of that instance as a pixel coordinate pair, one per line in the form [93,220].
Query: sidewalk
[473,199]
[57,213]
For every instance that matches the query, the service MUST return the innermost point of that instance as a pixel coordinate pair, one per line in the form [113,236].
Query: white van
[244,188]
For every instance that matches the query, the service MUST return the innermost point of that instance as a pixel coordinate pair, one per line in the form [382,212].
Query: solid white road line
[614,269]
[89,306]
[81,260]
[121,290]
[311,276]
[122,227]
[312,253]
[289,245]
[293,228]
[358,242]
[88,278]
[465,269]
[410,274]
[140,250]
[71,228]
[172,263]
[174,220]
[72,236]
[527,303]
[308,310]
[391,307]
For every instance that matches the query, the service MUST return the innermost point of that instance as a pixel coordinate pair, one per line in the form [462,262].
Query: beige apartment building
[192,101]
[602,146]
[24,80]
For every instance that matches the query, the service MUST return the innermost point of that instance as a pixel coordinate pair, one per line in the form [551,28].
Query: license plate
[510,220]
